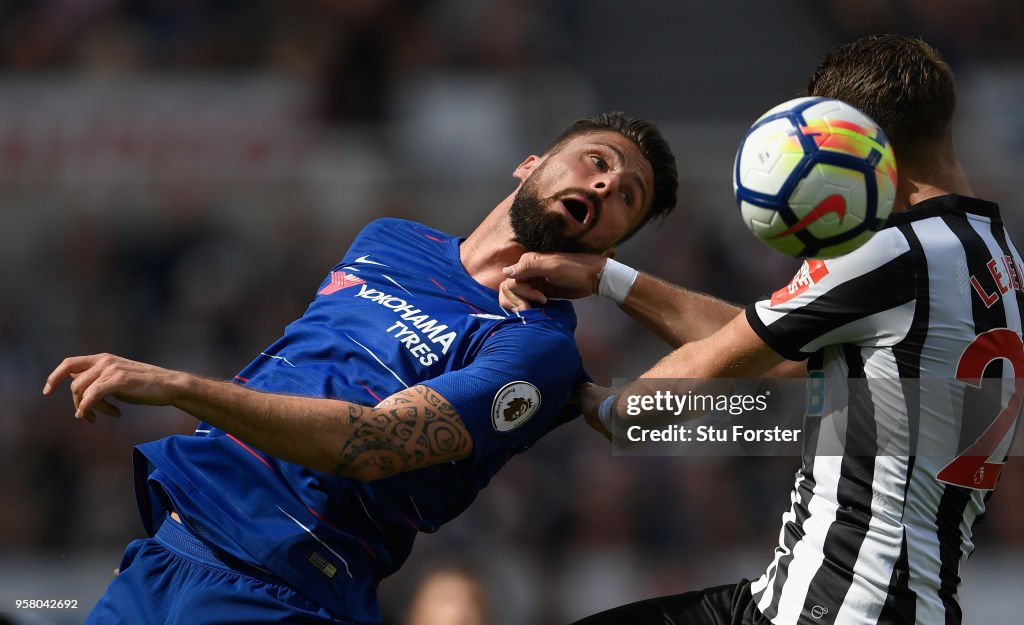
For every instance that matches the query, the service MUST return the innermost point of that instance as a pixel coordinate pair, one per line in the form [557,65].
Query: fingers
[81,382]
[530,265]
[94,395]
[509,300]
[517,296]
[88,386]
[108,408]
[68,367]
[565,275]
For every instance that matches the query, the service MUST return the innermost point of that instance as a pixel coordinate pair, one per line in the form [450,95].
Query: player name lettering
[711,434]
[1005,273]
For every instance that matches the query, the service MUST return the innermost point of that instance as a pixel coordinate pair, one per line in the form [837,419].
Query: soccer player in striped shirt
[380,413]
[932,304]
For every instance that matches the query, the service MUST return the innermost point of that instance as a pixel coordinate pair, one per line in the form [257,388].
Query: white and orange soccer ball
[814,177]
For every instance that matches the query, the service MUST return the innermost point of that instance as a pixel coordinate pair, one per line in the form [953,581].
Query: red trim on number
[251,451]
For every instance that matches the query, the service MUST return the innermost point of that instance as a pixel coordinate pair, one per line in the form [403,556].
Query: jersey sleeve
[866,297]
[514,390]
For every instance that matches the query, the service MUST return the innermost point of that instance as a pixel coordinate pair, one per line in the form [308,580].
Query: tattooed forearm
[410,430]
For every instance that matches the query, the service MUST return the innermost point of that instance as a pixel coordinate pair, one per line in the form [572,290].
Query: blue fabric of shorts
[175,579]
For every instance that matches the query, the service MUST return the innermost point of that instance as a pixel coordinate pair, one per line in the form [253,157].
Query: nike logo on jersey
[365,259]
[832,204]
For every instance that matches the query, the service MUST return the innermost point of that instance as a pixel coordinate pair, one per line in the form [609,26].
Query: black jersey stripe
[900,602]
[908,351]
[793,531]
[881,289]
[955,499]
[999,234]
[832,580]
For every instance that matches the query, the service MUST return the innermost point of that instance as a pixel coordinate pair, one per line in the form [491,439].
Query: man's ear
[526,167]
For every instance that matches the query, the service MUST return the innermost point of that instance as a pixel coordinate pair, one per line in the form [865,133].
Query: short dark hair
[899,81]
[649,140]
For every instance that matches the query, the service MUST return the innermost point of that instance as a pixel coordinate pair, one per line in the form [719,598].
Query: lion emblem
[513,405]
[517,407]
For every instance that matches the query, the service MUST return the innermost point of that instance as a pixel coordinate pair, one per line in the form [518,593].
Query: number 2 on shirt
[973,467]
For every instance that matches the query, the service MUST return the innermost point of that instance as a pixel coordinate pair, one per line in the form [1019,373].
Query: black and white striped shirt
[916,338]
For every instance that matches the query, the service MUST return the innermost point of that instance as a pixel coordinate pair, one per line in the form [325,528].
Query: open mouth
[578,209]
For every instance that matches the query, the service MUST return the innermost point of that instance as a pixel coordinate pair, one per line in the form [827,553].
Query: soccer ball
[814,177]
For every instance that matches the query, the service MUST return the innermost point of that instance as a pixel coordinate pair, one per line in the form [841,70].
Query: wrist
[607,417]
[183,390]
[616,280]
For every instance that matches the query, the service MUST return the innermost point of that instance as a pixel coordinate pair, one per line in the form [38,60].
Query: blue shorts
[175,579]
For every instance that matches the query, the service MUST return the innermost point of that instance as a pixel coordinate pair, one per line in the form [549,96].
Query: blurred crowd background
[177,176]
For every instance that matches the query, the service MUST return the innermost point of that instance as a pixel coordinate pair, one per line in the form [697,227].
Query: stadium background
[176,177]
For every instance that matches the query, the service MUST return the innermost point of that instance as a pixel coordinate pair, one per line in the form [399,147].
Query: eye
[599,162]
[627,197]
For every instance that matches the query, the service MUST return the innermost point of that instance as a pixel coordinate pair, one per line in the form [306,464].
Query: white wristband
[605,414]
[616,280]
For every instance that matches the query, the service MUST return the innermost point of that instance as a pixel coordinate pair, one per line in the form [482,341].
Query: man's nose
[606,184]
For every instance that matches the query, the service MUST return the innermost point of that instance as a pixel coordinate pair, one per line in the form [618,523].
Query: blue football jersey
[398,311]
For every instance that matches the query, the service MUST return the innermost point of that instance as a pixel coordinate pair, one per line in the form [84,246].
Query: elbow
[363,467]
[365,473]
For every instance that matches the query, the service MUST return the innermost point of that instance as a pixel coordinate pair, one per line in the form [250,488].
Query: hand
[535,277]
[100,376]
[589,398]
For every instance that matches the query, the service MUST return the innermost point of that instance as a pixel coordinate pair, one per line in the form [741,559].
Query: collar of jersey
[951,204]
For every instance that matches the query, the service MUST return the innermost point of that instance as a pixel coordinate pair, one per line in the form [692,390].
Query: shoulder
[392,226]
[887,244]
[557,318]
[537,334]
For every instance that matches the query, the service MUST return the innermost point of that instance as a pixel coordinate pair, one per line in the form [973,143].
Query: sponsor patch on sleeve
[513,405]
[811,272]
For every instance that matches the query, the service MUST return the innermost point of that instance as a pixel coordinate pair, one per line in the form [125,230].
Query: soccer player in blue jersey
[380,413]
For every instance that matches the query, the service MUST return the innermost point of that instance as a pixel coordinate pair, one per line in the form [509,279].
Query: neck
[943,176]
[491,247]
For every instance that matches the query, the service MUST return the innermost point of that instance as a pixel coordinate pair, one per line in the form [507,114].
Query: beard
[539,230]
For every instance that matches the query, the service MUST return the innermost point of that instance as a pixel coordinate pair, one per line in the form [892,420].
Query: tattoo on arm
[409,430]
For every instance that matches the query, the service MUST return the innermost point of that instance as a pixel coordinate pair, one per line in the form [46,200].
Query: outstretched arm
[411,429]
[675,314]
[735,351]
